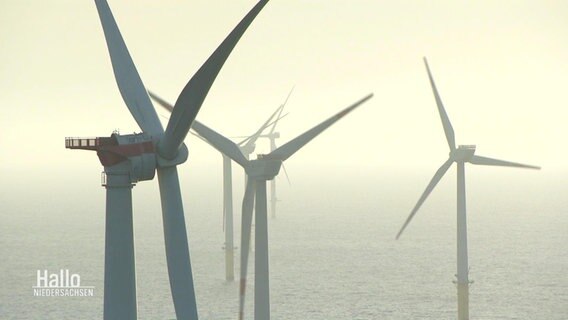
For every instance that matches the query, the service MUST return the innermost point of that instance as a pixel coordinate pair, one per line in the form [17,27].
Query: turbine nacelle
[141,166]
[462,153]
[263,168]
[132,154]
[137,150]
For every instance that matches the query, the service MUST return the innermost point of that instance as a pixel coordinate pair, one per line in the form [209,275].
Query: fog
[499,67]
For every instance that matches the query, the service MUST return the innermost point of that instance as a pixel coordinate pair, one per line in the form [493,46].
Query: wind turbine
[247,147]
[258,171]
[459,155]
[272,136]
[128,159]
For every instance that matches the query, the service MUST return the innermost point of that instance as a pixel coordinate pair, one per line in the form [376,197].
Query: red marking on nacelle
[111,155]
[108,150]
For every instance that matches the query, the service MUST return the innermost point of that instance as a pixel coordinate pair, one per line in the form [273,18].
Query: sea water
[333,253]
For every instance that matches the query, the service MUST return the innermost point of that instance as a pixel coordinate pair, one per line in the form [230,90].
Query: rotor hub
[463,153]
[132,154]
[263,168]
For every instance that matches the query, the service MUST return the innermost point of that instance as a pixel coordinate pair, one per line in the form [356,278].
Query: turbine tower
[247,147]
[128,159]
[259,171]
[459,155]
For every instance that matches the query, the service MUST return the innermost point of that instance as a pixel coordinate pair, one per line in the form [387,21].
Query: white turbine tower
[128,159]
[247,147]
[258,171]
[459,155]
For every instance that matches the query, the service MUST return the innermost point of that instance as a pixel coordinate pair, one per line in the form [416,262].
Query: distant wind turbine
[272,136]
[459,155]
[264,168]
[128,159]
[247,147]
[260,170]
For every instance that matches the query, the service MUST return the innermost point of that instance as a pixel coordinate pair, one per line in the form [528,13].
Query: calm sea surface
[332,249]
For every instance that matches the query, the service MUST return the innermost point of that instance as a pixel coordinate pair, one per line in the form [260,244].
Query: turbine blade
[224,186]
[224,215]
[252,139]
[257,134]
[260,135]
[288,149]
[177,248]
[127,78]
[192,96]
[261,264]
[448,130]
[246,225]
[200,137]
[221,143]
[228,218]
[281,109]
[286,174]
[163,103]
[214,139]
[437,176]
[479,160]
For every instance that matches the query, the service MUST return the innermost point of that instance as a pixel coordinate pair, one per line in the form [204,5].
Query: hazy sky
[501,68]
